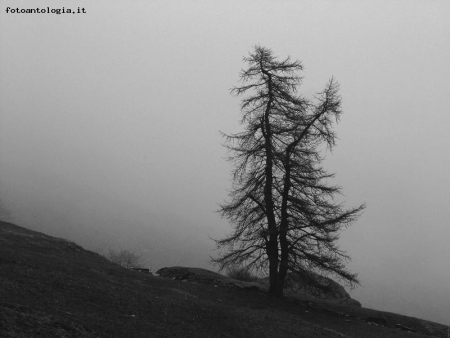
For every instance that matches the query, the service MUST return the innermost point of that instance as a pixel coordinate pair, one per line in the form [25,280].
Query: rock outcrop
[203,276]
[320,287]
[323,288]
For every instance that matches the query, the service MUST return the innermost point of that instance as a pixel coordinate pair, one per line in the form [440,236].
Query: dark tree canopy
[281,206]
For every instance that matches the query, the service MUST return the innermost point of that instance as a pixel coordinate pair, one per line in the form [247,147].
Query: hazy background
[109,127]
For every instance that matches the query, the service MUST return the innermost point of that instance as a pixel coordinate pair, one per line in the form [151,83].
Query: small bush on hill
[125,258]
[241,273]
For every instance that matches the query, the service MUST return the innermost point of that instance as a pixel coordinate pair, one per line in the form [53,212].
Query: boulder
[320,287]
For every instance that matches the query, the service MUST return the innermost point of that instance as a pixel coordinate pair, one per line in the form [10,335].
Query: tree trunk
[272,253]
[281,277]
[272,245]
[284,256]
[284,225]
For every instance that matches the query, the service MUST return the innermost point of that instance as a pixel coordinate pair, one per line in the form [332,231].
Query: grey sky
[109,127]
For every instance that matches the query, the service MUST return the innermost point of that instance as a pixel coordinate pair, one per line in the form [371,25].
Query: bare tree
[125,258]
[282,209]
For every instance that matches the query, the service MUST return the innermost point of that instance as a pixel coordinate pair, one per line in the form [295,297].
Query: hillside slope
[50,287]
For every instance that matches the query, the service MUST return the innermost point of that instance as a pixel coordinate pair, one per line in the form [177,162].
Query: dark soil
[50,287]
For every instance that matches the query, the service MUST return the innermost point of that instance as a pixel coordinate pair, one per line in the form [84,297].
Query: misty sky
[109,127]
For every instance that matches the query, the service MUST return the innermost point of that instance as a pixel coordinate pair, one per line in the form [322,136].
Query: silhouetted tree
[282,209]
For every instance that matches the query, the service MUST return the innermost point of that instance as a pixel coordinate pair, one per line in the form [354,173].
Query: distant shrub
[241,273]
[125,258]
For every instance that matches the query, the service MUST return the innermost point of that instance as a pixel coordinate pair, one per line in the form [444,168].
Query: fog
[109,128]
